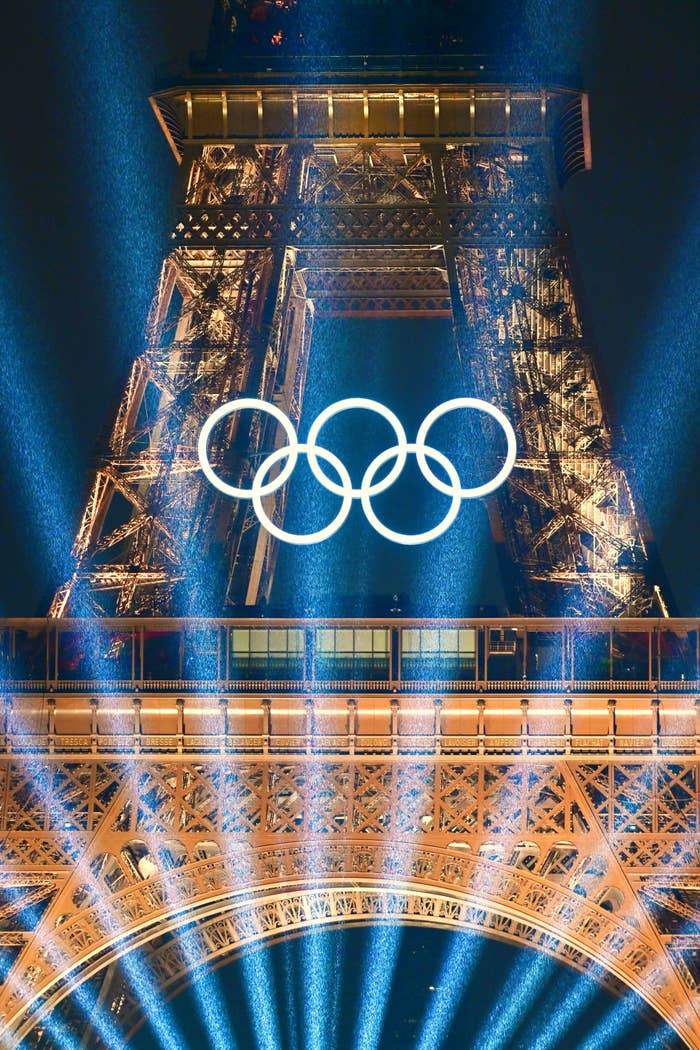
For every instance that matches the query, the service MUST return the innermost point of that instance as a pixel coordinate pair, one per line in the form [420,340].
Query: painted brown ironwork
[522,850]
[453,217]
[512,777]
[183,789]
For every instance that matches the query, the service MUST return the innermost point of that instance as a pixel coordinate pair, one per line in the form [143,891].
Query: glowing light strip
[517,997]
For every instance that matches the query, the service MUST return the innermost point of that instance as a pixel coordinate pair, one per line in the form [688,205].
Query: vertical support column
[309,656]
[137,724]
[352,726]
[612,726]
[51,704]
[394,658]
[180,706]
[94,707]
[524,728]
[655,723]
[394,727]
[568,723]
[481,725]
[266,723]
[7,723]
[223,709]
[438,725]
[309,726]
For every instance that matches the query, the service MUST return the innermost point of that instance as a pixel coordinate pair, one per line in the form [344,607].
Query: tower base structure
[535,780]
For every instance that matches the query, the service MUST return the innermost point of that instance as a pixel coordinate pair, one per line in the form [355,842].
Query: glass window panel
[325,640]
[544,655]
[410,640]
[161,654]
[295,641]
[363,641]
[258,641]
[429,640]
[240,638]
[467,642]
[678,653]
[448,640]
[344,640]
[381,641]
[630,655]
[278,640]
[592,656]
[201,653]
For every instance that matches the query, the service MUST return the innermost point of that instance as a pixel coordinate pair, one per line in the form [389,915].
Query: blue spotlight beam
[291,983]
[559,1014]
[458,964]
[210,1000]
[378,975]
[317,993]
[613,1028]
[36,452]
[260,986]
[109,120]
[138,972]
[520,990]
[457,967]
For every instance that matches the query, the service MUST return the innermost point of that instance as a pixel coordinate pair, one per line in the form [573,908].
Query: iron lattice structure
[176,791]
[362,201]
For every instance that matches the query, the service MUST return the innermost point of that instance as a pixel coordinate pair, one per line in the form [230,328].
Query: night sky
[87,184]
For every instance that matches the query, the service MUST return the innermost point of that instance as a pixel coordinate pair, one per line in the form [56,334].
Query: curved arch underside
[232,901]
[556,854]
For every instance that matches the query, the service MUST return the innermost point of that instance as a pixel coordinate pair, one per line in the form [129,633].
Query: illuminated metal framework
[533,779]
[536,780]
[362,201]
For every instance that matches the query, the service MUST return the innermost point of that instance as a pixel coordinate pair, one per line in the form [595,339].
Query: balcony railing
[512,655]
[370,686]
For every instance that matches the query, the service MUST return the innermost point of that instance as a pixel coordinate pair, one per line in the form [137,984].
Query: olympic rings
[343,406]
[311,537]
[227,410]
[481,406]
[419,537]
[368,488]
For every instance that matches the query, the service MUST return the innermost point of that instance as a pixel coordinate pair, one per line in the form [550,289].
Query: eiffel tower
[532,777]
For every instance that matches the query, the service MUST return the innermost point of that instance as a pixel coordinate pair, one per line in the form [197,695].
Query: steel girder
[272,233]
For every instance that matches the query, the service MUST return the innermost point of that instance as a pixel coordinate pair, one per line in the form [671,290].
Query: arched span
[247,896]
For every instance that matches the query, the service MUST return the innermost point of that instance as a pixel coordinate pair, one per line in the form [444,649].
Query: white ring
[419,537]
[343,406]
[294,537]
[482,406]
[367,490]
[236,406]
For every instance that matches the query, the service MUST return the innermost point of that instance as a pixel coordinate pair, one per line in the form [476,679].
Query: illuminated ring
[343,406]
[482,406]
[292,449]
[293,537]
[419,537]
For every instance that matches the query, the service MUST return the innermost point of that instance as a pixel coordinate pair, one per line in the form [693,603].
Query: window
[260,652]
[352,653]
[438,653]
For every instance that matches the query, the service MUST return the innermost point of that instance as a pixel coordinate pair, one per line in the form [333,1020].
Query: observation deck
[344,100]
[352,686]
